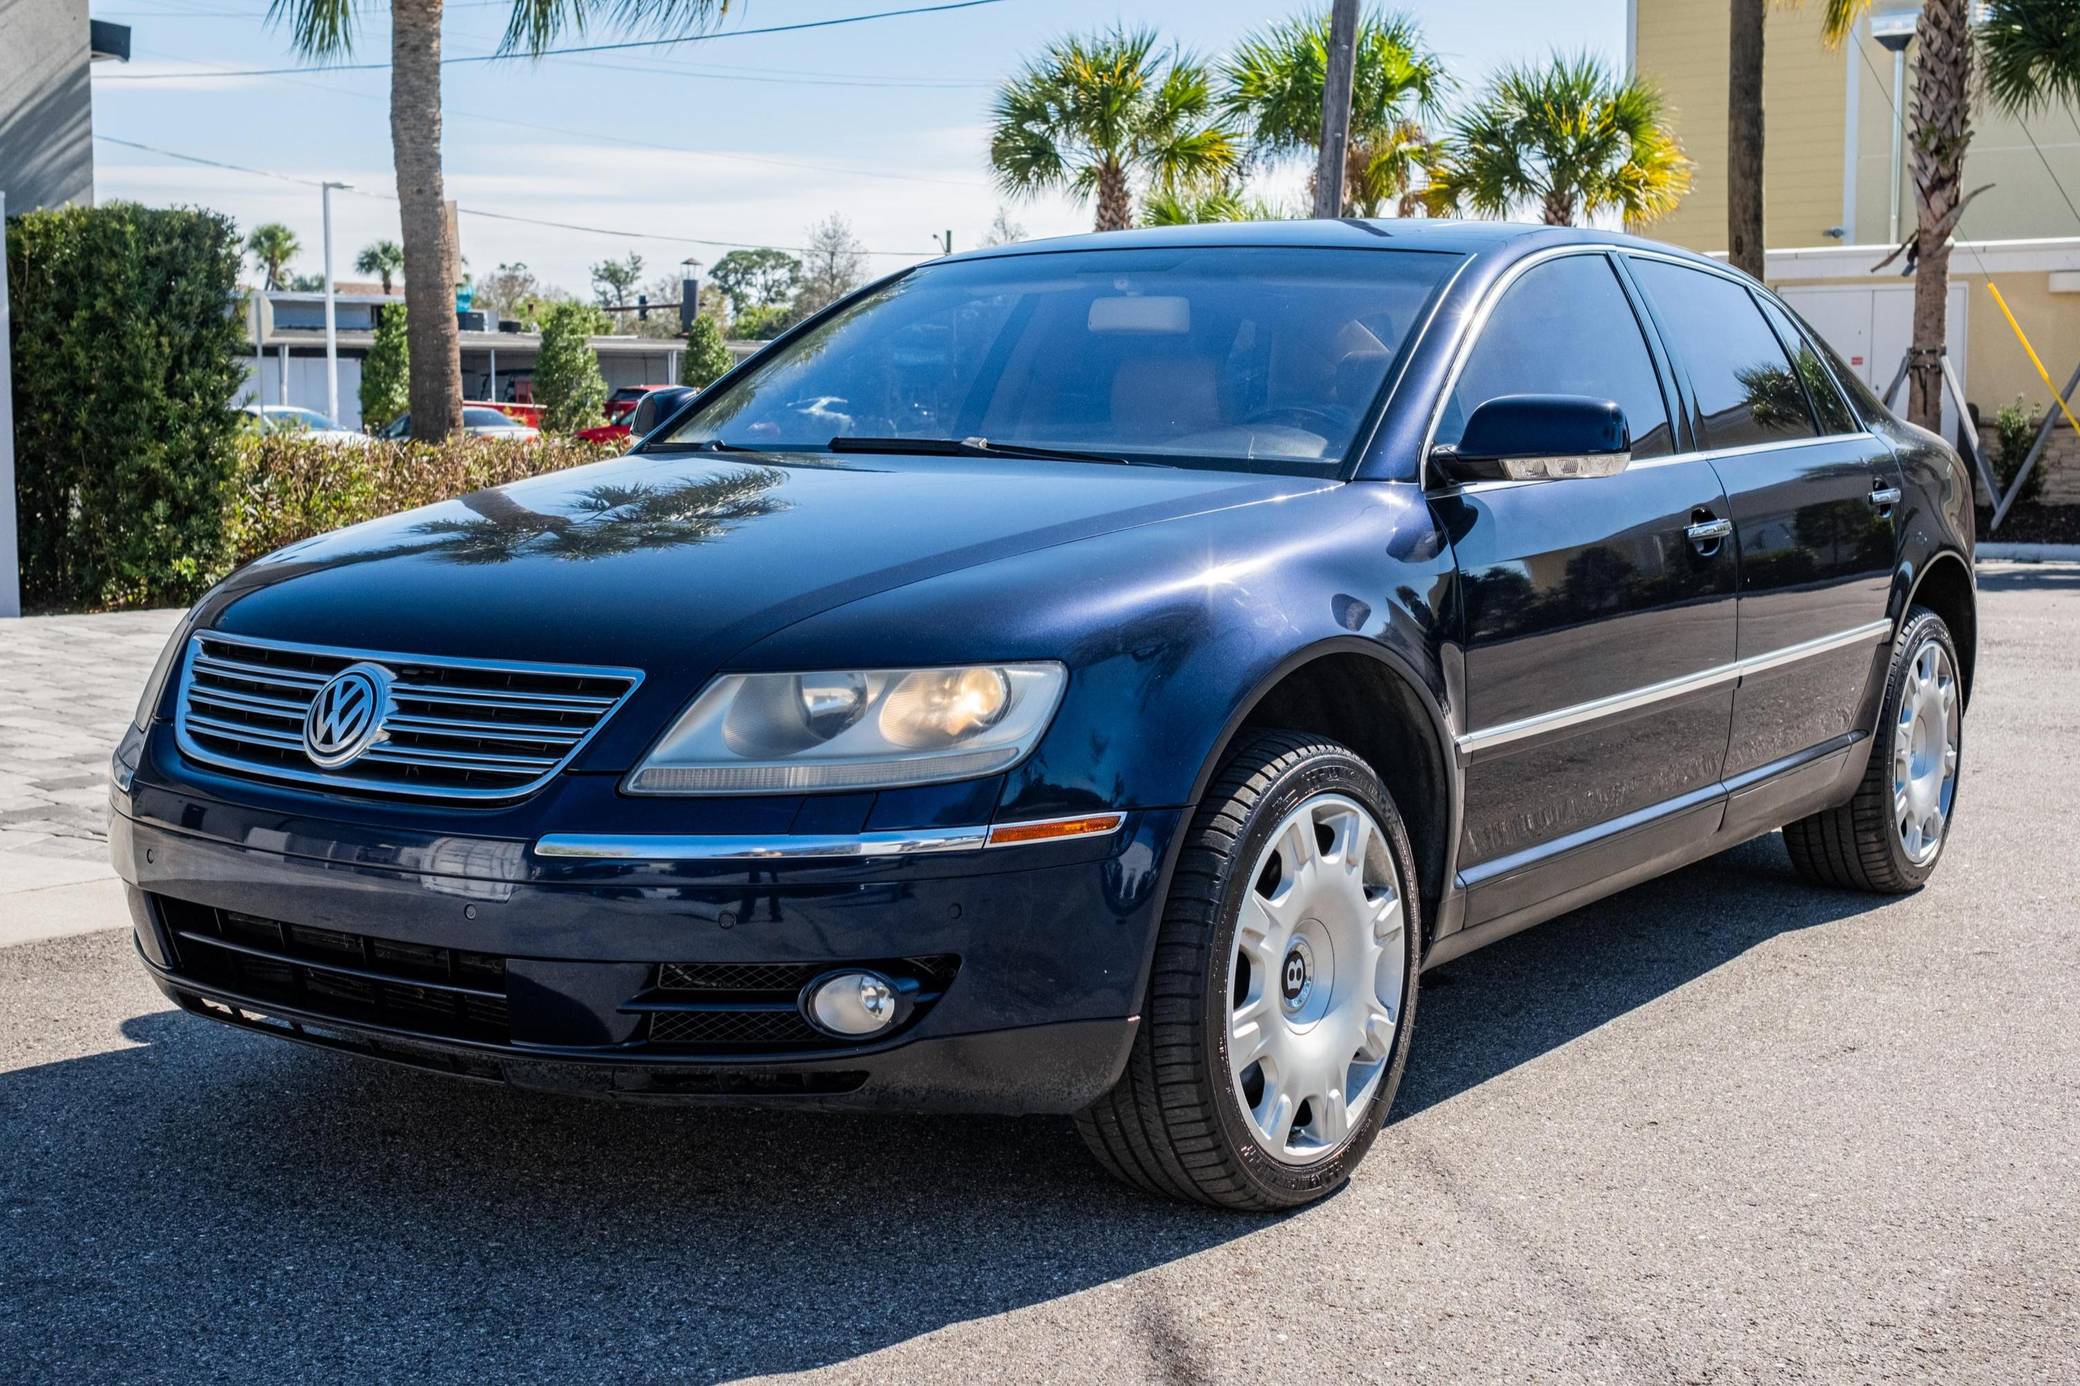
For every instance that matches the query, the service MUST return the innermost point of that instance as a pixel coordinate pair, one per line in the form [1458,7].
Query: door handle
[1708,531]
[1883,496]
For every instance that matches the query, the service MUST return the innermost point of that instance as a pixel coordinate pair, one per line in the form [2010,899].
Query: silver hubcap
[1924,753]
[1314,987]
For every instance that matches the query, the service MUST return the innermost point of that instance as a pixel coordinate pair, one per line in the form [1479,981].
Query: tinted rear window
[1745,385]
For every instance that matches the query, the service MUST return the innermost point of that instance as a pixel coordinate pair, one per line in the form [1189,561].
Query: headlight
[852,729]
[155,682]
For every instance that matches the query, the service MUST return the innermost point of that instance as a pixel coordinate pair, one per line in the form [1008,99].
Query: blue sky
[739,139]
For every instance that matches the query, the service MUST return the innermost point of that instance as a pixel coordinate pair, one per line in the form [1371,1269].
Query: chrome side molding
[1539,724]
[820,847]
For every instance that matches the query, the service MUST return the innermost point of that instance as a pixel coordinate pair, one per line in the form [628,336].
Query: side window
[1745,385]
[1813,372]
[1564,328]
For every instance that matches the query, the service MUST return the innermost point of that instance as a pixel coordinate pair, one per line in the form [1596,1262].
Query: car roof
[1347,233]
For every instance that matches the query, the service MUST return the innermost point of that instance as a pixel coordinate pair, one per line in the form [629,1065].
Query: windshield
[1248,357]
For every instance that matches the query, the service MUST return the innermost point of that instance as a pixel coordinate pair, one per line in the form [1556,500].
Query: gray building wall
[46,104]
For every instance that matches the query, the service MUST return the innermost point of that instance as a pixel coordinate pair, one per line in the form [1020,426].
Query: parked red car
[623,401]
[652,405]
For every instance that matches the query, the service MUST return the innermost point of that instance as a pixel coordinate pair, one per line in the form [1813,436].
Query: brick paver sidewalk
[67,686]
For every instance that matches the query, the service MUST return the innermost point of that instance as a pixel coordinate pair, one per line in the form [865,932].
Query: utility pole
[1336,109]
[331,321]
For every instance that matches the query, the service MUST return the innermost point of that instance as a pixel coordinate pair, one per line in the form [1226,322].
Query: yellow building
[1837,197]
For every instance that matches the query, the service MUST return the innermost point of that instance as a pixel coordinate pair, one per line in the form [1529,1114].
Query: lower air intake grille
[347,977]
[734,1008]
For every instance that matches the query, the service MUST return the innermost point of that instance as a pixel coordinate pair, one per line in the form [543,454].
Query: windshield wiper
[705,445]
[972,447]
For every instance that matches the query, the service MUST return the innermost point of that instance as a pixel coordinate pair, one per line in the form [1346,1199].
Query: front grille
[454,729]
[347,977]
[752,1007]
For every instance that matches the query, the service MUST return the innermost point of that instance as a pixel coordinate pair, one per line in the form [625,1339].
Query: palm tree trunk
[430,264]
[1558,207]
[1744,244]
[1115,203]
[1941,130]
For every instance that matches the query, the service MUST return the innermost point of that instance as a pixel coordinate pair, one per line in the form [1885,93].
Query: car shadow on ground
[214,1201]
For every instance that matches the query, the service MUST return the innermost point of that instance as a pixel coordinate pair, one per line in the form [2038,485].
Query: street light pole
[331,320]
[1336,109]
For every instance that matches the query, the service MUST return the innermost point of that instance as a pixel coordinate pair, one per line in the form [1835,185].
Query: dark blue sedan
[1093,676]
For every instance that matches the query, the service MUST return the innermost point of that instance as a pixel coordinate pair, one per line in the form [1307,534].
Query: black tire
[1173,1124]
[1856,845]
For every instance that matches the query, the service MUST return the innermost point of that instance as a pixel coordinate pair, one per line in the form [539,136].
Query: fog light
[852,1004]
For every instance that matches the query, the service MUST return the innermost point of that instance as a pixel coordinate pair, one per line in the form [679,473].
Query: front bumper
[1047,947]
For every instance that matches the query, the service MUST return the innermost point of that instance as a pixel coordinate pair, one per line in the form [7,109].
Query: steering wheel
[1299,416]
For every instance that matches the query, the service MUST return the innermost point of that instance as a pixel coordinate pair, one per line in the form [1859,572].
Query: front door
[1598,612]
[1813,499]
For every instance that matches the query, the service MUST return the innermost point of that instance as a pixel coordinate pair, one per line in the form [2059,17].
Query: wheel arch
[1944,585]
[1337,689]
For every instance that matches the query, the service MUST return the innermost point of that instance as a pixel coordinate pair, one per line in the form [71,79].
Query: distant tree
[1003,230]
[763,324]
[306,284]
[614,280]
[272,246]
[706,356]
[1220,202]
[567,380]
[1092,114]
[756,278]
[506,288]
[1274,85]
[833,266]
[381,258]
[1567,137]
[386,372]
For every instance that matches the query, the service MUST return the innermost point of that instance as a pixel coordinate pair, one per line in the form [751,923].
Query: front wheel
[1281,999]
[1888,837]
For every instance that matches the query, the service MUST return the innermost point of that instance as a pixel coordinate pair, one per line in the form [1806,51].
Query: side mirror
[657,406]
[1538,438]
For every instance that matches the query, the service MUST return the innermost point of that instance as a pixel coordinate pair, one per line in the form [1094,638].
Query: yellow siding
[1681,46]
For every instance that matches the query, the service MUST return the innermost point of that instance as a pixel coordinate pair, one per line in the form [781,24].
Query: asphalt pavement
[1721,1128]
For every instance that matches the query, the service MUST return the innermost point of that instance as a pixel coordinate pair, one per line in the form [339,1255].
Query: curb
[2027,553]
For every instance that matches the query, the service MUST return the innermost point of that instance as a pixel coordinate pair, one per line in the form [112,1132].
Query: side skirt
[1513,893]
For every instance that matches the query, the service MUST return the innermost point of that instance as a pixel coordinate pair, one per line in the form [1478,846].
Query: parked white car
[289,418]
[477,421]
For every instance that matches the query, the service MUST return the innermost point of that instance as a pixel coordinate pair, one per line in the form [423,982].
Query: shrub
[127,357]
[706,356]
[763,323]
[2014,431]
[386,373]
[567,382]
[290,487]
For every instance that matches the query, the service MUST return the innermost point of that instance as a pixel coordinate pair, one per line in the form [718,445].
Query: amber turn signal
[1051,829]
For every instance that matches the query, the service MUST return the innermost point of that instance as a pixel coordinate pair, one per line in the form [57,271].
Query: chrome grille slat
[457,728]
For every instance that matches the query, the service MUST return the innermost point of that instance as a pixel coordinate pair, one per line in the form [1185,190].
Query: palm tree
[1940,131]
[2032,54]
[272,247]
[324,29]
[1275,78]
[1092,114]
[1744,246]
[1569,136]
[383,258]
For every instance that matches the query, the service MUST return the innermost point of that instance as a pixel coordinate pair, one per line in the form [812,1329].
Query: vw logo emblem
[346,716]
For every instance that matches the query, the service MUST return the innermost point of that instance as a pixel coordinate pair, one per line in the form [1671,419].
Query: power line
[492,215]
[611,138]
[579,48]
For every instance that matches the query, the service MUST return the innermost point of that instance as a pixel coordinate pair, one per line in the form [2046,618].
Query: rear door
[1814,498]
[1597,631]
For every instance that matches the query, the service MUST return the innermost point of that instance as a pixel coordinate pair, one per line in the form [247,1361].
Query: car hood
[674,562]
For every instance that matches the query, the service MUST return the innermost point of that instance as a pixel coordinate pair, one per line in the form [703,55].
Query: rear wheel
[1888,837]
[1280,1003]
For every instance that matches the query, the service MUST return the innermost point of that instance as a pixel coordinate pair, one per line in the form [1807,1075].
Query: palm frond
[534,25]
[1838,20]
[320,29]
[2031,50]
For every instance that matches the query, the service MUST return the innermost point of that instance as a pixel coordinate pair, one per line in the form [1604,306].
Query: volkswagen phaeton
[1094,676]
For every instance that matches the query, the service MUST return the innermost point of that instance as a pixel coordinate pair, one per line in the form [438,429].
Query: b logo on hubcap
[346,716]
[1293,979]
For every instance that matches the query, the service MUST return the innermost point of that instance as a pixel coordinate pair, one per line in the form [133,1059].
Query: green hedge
[126,350]
[288,488]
